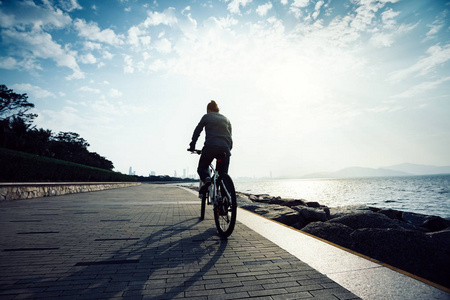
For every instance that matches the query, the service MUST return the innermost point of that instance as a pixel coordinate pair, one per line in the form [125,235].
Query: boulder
[243,200]
[413,218]
[313,204]
[336,212]
[276,200]
[279,213]
[441,239]
[434,223]
[310,214]
[391,213]
[371,220]
[408,250]
[293,202]
[333,232]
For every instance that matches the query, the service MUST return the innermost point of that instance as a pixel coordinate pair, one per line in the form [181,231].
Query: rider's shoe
[205,186]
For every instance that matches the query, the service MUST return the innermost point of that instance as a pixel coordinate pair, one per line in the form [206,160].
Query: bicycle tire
[202,211]
[225,212]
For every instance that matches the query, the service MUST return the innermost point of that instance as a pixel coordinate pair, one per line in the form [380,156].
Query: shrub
[18,166]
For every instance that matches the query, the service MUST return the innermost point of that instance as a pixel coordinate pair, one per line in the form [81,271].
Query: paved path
[142,242]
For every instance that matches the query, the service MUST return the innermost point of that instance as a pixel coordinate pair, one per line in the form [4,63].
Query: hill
[395,170]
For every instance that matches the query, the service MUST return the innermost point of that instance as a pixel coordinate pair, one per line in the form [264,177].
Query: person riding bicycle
[218,143]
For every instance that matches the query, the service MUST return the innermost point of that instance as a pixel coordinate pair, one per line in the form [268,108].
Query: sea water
[428,194]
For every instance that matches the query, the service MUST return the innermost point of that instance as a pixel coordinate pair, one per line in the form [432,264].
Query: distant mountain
[420,169]
[396,170]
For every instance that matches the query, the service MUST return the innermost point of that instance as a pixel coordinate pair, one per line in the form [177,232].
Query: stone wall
[17,191]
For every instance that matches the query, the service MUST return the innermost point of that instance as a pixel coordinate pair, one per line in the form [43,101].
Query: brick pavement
[143,242]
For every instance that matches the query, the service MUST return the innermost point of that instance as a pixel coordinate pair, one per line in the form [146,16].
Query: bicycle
[222,195]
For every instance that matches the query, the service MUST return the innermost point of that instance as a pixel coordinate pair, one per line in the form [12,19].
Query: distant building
[131,172]
[175,173]
[184,173]
[152,173]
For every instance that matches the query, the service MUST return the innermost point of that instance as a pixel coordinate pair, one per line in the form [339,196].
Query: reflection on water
[421,194]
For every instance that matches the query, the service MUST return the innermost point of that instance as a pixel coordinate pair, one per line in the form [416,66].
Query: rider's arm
[197,132]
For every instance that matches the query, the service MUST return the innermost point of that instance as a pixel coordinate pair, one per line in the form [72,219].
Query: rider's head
[212,107]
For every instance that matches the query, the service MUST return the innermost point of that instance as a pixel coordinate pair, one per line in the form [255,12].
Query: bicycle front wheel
[226,209]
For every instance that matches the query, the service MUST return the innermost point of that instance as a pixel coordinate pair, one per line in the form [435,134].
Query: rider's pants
[209,152]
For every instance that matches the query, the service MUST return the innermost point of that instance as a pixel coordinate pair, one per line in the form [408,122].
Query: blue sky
[308,85]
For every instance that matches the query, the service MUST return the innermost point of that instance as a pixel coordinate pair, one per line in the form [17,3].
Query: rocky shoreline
[416,243]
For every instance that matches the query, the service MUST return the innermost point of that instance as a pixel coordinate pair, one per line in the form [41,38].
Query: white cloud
[32,90]
[107,55]
[167,17]
[42,45]
[381,39]
[138,38]
[300,3]
[437,56]
[163,46]
[69,5]
[88,45]
[316,13]
[296,7]
[114,93]
[89,90]
[388,18]
[6,20]
[157,65]
[8,63]
[421,89]
[234,5]
[436,26]
[263,9]
[40,16]
[88,58]
[92,32]
[128,68]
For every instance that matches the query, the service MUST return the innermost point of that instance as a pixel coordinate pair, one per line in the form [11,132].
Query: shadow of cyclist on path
[170,261]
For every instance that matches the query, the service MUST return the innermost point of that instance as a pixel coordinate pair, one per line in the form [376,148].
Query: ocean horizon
[423,194]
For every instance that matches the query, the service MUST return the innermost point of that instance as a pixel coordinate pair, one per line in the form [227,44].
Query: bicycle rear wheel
[226,210]
[203,202]
[202,212]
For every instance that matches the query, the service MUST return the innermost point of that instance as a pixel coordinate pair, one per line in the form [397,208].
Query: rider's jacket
[218,131]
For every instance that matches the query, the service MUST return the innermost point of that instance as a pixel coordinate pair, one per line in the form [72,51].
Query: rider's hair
[212,106]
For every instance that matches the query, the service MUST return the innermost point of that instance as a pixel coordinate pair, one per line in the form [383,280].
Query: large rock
[391,213]
[279,213]
[292,202]
[336,212]
[430,223]
[310,214]
[333,232]
[412,251]
[371,220]
[441,239]
[434,223]
[243,200]
[413,218]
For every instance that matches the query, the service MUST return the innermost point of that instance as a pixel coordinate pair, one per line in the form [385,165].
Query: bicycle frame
[221,193]
[213,194]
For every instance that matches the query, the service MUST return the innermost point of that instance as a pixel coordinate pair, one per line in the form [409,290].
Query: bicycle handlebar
[195,151]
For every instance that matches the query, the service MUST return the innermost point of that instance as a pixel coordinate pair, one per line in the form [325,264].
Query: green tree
[14,105]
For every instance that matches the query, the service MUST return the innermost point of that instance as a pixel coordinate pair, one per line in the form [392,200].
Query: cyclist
[218,143]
